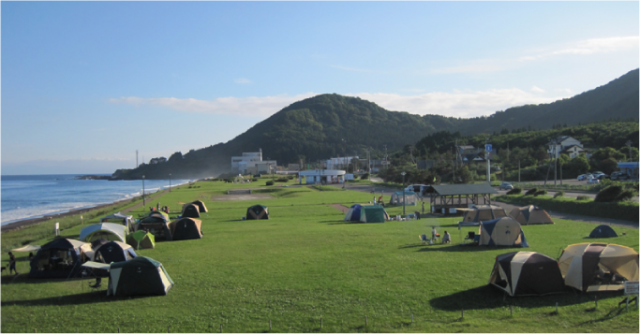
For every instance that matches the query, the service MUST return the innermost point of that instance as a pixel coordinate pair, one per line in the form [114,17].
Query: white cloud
[238,106]
[242,81]
[458,103]
[537,89]
[454,104]
[588,47]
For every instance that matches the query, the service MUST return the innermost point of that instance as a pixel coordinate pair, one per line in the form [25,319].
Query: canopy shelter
[477,213]
[107,231]
[27,248]
[60,258]
[140,276]
[502,232]
[409,197]
[531,214]
[373,214]
[526,273]
[603,231]
[598,267]
[113,251]
[121,219]
[353,214]
[186,228]
[141,240]
[156,224]
[190,211]
[447,199]
[96,265]
[258,212]
[200,205]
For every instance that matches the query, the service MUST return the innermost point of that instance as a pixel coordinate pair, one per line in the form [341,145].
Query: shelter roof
[463,189]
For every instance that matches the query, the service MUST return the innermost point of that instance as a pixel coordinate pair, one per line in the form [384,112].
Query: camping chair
[97,286]
[471,236]
[424,239]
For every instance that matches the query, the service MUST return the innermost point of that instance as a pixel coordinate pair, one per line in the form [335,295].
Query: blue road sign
[487,147]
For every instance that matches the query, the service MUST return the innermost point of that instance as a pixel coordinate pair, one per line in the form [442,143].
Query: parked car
[603,176]
[414,187]
[593,180]
[582,177]
[619,176]
[505,186]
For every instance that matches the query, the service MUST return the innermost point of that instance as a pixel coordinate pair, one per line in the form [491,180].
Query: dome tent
[526,273]
[113,251]
[140,276]
[398,197]
[141,240]
[200,205]
[603,231]
[107,231]
[257,212]
[373,214]
[119,218]
[479,213]
[157,223]
[60,258]
[190,211]
[502,232]
[529,215]
[353,214]
[186,228]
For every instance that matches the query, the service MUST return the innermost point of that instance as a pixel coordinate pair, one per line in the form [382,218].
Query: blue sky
[86,84]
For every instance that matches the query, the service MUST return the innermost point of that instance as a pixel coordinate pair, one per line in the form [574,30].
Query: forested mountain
[329,125]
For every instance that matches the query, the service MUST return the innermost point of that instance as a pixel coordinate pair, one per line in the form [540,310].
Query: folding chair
[424,239]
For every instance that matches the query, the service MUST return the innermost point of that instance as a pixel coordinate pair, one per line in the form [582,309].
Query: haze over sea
[33,196]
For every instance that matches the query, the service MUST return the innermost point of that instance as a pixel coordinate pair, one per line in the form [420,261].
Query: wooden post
[118,329]
[168,331]
[365,321]
[220,328]
[269,324]
[411,317]
[321,323]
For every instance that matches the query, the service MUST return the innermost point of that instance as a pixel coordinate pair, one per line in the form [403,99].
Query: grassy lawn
[306,267]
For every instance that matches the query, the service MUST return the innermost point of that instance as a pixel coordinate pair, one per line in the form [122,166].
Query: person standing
[434,234]
[12,263]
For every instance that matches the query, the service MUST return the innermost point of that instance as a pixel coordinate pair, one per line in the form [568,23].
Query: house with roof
[564,144]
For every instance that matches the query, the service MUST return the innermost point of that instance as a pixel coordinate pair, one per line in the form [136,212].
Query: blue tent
[354,213]
[603,231]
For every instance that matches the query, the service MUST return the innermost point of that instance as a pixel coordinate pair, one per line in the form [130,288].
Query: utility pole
[136,158]
[143,200]
[628,143]
[403,194]
[555,162]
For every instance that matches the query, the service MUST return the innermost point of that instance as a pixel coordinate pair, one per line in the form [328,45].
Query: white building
[338,163]
[556,146]
[252,163]
[323,176]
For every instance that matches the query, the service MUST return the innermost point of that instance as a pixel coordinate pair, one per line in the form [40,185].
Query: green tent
[140,276]
[373,214]
[141,240]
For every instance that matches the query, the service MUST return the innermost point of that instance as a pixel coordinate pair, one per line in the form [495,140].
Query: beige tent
[598,267]
[501,232]
[480,213]
[529,215]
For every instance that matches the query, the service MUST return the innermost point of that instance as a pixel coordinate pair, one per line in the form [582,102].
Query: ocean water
[33,196]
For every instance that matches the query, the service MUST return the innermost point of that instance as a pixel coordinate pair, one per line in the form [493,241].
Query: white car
[582,177]
[414,187]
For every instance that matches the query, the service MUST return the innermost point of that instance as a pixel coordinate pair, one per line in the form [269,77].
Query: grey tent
[140,276]
[60,258]
[526,273]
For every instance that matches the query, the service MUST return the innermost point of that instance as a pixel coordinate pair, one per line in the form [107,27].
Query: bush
[282,179]
[364,176]
[583,198]
[290,177]
[531,191]
[514,191]
[269,183]
[608,194]
[255,179]
[540,192]
[625,196]
[559,194]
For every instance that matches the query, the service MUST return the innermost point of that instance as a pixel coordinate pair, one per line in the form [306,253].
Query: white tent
[107,231]
[398,197]
[127,221]
[27,248]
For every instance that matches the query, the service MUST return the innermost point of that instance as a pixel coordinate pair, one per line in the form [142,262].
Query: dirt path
[340,207]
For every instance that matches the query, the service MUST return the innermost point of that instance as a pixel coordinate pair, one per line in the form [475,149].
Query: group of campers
[108,249]
[586,267]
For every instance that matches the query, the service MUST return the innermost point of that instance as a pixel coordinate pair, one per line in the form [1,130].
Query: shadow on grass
[488,297]
[99,296]
[454,248]
[25,279]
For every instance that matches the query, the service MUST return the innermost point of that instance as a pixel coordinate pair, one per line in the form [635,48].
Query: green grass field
[307,270]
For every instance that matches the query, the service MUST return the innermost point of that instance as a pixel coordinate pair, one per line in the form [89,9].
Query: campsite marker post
[403,199]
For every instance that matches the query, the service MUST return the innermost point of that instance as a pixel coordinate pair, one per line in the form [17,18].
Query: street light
[143,201]
[403,195]
[169,182]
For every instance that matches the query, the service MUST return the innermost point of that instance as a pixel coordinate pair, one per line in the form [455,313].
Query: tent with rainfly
[603,231]
[408,197]
[373,214]
[113,251]
[190,210]
[353,214]
[60,258]
[598,267]
[140,276]
[200,205]
[141,240]
[107,231]
[502,232]
[186,228]
[258,212]
[526,273]
[529,215]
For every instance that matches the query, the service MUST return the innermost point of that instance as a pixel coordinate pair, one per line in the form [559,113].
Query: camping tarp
[27,248]
[598,267]
[119,218]
[108,231]
[373,214]
[258,212]
[60,258]
[529,215]
[141,240]
[190,211]
[140,276]
[353,214]
[186,228]
[603,231]
[526,273]
[410,196]
[502,232]
[113,251]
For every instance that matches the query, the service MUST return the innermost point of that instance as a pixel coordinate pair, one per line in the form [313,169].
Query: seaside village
[105,253]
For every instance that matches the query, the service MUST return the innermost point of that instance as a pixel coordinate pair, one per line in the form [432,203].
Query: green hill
[330,125]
